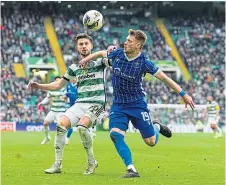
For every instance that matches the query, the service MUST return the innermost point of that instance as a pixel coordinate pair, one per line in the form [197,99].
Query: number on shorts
[146,116]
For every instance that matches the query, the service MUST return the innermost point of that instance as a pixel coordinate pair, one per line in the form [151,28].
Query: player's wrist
[182,93]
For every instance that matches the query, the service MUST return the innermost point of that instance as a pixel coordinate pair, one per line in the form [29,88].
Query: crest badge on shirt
[91,64]
[136,64]
[84,71]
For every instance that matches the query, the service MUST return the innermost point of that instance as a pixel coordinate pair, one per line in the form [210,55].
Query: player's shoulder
[149,62]
[215,103]
[146,58]
[74,67]
[117,51]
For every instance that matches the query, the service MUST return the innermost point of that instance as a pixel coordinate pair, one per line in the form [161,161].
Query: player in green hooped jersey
[56,110]
[213,111]
[88,106]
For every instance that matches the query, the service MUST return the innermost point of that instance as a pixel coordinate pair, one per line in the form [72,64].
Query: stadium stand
[200,41]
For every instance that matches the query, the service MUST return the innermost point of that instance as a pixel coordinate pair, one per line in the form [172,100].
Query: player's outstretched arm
[49,87]
[93,56]
[173,85]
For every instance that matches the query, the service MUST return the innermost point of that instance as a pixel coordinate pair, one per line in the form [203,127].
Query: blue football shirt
[127,75]
[71,93]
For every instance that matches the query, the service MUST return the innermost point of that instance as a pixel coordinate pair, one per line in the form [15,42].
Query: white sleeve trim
[106,62]
[45,101]
[68,76]
[106,54]
[157,72]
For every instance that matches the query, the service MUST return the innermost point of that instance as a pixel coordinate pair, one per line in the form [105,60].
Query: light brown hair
[139,35]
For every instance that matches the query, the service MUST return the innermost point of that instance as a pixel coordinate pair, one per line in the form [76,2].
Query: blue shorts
[138,113]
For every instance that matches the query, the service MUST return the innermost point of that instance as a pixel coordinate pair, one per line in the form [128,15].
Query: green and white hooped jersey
[90,81]
[212,108]
[58,104]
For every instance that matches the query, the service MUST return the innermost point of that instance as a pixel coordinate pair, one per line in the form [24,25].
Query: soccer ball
[93,20]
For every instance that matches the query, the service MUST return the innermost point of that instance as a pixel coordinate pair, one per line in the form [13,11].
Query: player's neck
[84,56]
[132,55]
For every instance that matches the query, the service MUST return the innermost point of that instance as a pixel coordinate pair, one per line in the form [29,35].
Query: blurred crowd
[200,43]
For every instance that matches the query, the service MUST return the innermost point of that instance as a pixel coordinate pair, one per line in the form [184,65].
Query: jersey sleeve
[70,74]
[111,56]
[63,91]
[217,107]
[150,67]
[46,99]
[106,62]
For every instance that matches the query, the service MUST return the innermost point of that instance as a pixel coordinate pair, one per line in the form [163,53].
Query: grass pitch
[185,159]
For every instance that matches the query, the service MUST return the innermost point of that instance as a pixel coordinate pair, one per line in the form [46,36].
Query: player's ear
[91,46]
[76,47]
[138,45]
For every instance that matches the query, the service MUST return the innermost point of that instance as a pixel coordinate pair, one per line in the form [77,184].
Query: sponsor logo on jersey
[86,76]
[118,72]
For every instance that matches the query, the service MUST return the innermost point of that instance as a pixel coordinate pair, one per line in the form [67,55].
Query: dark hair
[83,36]
[139,35]
[57,77]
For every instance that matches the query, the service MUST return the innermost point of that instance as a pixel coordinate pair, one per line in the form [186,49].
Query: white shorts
[78,110]
[53,116]
[213,120]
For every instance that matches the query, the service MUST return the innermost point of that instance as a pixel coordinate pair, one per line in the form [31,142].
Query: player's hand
[33,85]
[188,101]
[83,63]
[111,48]
[39,105]
[64,98]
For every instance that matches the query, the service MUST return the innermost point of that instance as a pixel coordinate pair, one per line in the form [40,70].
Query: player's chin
[85,53]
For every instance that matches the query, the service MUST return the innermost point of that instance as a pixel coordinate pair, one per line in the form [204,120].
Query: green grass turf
[185,159]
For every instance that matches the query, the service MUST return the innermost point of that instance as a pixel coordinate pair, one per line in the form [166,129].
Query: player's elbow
[57,86]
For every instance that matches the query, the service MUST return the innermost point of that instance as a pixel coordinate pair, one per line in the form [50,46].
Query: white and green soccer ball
[93,20]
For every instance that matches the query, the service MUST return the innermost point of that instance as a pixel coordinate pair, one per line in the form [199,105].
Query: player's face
[73,81]
[131,44]
[209,98]
[84,46]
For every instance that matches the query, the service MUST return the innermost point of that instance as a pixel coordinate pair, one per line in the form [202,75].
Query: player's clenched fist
[111,48]
[33,85]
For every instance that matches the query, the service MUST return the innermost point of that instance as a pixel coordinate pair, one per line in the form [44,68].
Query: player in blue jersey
[129,65]
[71,94]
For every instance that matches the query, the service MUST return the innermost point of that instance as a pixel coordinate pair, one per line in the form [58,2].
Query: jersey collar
[130,59]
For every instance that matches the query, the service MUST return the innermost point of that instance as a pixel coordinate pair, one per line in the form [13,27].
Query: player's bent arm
[93,56]
[54,85]
[218,110]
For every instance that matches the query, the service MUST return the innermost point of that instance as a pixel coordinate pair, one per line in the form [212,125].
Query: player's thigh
[212,121]
[92,113]
[50,117]
[141,120]
[64,121]
[118,121]
[59,115]
[74,114]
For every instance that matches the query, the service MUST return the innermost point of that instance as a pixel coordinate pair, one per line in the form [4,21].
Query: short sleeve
[48,94]
[70,72]
[113,54]
[106,62]
[150,67]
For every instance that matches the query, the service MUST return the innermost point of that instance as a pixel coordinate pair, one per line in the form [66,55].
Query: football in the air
[93,20]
